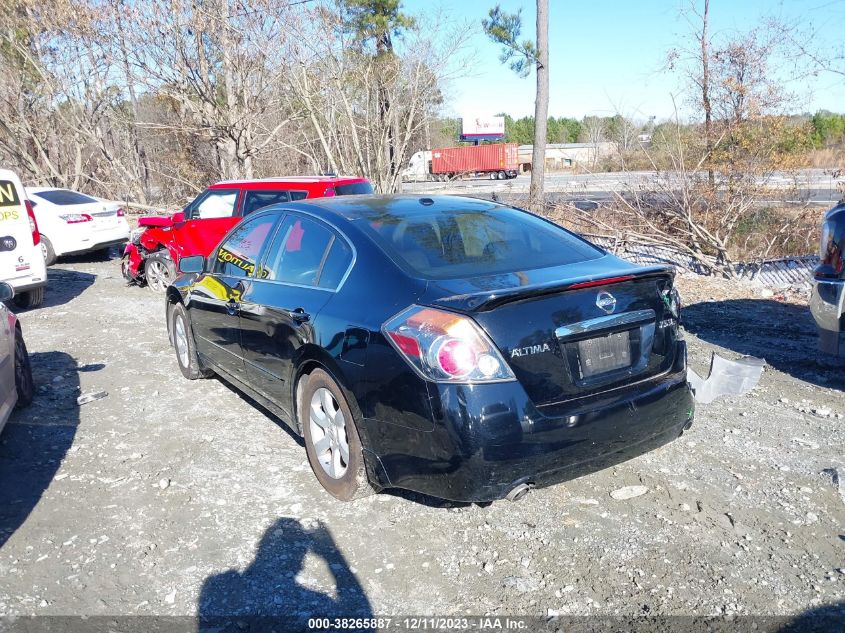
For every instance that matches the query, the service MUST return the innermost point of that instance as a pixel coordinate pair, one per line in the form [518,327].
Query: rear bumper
[87,243]
[488,439]
[827,304]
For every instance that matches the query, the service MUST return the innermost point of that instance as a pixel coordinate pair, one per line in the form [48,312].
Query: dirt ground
[176,497]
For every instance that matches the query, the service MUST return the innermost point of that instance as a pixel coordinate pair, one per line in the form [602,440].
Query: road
[172,497]
[814,185]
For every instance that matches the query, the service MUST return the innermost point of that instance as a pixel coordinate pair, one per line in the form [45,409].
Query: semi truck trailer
[496,162]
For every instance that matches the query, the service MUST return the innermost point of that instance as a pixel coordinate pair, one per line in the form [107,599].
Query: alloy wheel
[328,433]
[158,276]
[180,336]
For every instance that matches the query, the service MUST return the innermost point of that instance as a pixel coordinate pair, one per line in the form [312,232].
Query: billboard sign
[487,127]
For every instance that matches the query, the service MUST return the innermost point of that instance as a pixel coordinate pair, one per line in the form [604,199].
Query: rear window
[255,200]
[353,189]
[472,243]
[64,197]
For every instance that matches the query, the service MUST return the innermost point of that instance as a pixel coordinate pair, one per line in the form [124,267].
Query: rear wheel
[331,438]
[30,298]
[502,175]
[159,271]
[23,372]
[183,343]
[48,251]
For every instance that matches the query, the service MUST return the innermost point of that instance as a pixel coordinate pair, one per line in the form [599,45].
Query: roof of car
[371,206]
[303,180]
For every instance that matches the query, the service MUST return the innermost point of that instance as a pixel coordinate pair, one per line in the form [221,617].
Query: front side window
[297,252]
[217,203]
[237,256]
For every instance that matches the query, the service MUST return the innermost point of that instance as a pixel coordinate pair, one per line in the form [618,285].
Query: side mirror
[178,217]
[6,291]
[192,264]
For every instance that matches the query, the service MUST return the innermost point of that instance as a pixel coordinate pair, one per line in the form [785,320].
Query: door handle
[232,307]
[299,315]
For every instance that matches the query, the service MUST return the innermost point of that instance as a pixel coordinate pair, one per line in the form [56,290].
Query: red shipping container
[474,158]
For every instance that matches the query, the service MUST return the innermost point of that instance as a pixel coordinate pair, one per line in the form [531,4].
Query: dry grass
[762,233]
[827,158]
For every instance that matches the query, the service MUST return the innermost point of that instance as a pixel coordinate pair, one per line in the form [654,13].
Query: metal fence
[783,271]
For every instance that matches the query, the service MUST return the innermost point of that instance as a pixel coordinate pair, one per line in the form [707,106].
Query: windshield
[470,243]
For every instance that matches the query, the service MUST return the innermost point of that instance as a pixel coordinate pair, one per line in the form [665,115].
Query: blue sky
[606,55]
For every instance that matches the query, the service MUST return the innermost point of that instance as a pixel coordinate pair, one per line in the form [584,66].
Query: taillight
[830,247]
[121,213]
[330,192]
[33,225]
[445,347]
[76,218]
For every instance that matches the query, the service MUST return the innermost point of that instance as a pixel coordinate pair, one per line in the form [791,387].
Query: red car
[156,246]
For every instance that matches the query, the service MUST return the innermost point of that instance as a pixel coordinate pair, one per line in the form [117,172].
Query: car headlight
[135,235]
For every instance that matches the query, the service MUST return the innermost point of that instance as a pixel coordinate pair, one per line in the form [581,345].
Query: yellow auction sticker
[10,203]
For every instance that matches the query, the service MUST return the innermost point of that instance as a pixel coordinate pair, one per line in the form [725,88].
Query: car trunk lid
[576,330]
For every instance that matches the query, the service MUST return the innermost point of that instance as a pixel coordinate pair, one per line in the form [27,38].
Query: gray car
[16,386]
[827,302]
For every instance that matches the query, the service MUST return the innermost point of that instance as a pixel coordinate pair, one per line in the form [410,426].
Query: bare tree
[505,29]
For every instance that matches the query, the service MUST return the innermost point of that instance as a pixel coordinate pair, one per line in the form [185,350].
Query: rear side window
[470,243]
[353,189]
[336,264]
[216,203]
[64,197]
[298,251]
[237,256]
[255,200]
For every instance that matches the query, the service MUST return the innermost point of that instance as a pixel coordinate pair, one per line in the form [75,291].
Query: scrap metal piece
[91,397]
[726,378]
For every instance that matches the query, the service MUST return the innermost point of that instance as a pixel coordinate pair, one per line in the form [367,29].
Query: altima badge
[606,301]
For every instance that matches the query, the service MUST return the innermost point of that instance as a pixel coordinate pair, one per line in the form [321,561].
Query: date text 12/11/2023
[421,623]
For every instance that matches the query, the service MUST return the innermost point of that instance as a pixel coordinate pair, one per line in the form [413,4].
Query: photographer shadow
[270,592]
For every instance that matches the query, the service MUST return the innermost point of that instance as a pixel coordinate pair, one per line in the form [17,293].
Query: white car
[21,263]
[72,223]
[16,385]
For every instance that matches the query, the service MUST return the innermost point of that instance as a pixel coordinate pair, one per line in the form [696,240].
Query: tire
[349,480]
[30,299]
[23,372]
[48,251]
[502,175]
[159,271]
[183,344]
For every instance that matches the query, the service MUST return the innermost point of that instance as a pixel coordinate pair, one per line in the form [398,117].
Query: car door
[215,297]
[300,271]
[207,219]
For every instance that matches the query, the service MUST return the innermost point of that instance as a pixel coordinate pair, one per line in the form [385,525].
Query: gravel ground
[173,497]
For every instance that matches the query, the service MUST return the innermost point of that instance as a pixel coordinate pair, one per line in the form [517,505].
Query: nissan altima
[446,345]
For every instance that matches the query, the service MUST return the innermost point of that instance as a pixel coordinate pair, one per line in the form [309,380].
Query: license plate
[604,354]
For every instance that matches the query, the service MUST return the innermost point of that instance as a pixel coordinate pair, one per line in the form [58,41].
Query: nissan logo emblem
[606,301]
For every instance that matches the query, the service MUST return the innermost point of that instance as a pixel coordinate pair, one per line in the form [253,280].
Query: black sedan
[451,346]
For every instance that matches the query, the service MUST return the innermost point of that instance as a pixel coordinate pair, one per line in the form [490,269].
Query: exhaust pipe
[519,491]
